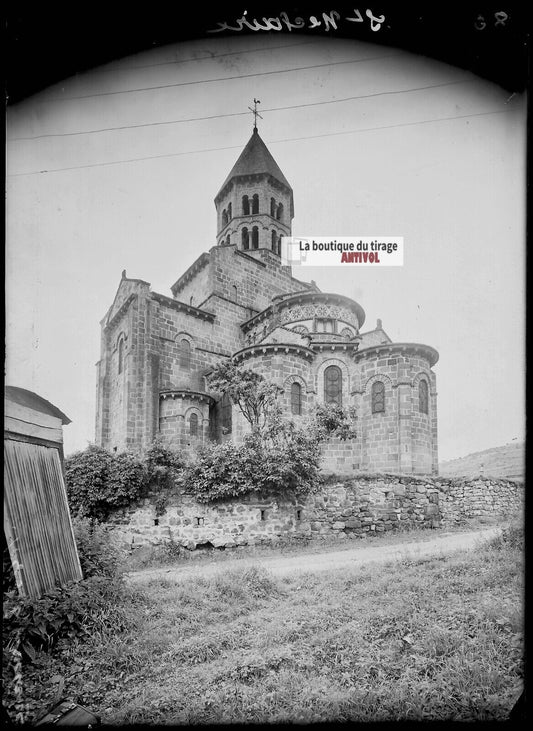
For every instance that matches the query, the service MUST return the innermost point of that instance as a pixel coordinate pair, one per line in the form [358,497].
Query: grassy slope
[507,461]
[437,639]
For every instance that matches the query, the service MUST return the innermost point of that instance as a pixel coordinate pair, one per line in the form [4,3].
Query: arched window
[378,397]
[279,245]
[255,238]
[273,208]
[274,242]
[245,239]
[245,206]
[224,217]
[120,355]
[255,203]
[225,414]
[193,425]
[423,396]
[296,398]
[185,354]
[333,385]
[228,240]
[279,212]
[229,212]
[191,300]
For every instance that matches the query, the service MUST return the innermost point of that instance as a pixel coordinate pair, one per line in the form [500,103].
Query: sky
[117,168]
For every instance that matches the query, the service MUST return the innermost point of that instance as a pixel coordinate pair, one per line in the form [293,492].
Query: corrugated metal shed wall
[37,521]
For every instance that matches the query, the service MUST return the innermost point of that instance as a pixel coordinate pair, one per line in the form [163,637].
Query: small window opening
[156,521]
[255,238]
[245,239]
[263,514]
[199,521]
[298,514]
[245,206]
[255,203]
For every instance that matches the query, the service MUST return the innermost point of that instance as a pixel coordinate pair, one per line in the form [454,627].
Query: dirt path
[327,561]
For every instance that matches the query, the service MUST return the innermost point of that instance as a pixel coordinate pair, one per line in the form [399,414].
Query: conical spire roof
[256,159]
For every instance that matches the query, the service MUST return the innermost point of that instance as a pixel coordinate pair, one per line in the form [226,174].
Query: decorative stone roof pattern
[263,348]
[306,298]
[184,393]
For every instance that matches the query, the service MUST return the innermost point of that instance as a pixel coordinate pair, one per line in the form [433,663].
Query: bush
[98,482]
[164,467]
[222,471]
[95,605]
[99,554]
[288,463]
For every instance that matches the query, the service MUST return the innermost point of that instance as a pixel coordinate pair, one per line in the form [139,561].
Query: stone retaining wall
[344,508]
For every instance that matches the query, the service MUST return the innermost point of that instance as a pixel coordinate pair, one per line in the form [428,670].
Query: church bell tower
[255,204]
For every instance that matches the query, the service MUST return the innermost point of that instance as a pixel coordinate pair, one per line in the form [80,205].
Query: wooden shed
[37,525]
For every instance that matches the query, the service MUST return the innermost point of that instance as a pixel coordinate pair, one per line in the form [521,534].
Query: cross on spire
[255,113]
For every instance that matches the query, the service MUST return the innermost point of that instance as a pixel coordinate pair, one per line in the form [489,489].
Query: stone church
[238,301]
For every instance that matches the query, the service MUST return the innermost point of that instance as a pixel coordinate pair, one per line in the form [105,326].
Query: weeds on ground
[439,639]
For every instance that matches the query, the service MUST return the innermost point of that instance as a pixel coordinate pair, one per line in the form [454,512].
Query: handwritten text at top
[282,21]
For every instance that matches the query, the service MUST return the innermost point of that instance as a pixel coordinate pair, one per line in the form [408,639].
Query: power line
[211,81]
[273,142]
[239,114]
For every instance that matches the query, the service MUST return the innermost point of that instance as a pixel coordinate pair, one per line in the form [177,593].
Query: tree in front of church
[277,456]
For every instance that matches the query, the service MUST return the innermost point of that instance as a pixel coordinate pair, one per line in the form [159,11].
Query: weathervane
[255,112]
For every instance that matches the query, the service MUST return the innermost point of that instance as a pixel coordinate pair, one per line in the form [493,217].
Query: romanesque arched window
[423,396]
[193,425]
[185,354]
[229,212]
[224,217]
[296,398]
[274,242]
[279,245]
[225,414]
[333,385]
[245,206]
[378,397]
[245,239]
[279,212]
[191,299]
[255,238]
[273,208]
[120,355]
[255,203]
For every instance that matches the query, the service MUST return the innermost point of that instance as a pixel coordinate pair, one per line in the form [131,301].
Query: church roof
[256,159]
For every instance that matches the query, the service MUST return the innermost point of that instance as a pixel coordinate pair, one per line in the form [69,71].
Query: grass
[437,639]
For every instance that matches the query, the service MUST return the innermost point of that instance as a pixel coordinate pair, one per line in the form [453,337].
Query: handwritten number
[375,22]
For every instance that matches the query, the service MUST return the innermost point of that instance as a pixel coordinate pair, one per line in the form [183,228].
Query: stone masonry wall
[344,508]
